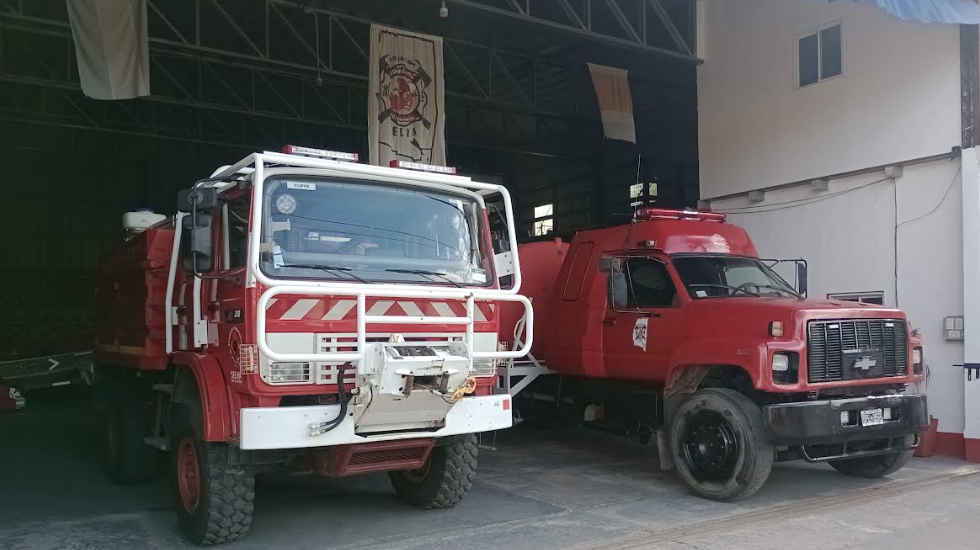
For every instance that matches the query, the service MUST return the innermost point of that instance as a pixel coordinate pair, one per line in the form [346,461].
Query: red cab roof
[674,232]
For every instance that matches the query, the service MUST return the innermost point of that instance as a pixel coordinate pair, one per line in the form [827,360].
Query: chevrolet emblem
[865,362]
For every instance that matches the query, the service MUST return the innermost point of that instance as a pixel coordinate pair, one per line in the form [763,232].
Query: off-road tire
[872,466]
[752,455]
[445,478]
[126,457]
[226,492]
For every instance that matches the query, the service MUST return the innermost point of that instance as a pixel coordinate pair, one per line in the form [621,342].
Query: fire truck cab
[303,310]
[672,329]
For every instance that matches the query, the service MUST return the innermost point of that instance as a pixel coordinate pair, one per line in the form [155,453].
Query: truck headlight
[917,360]
[780,362]
[784,368]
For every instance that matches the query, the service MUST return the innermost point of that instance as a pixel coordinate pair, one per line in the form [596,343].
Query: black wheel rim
[710,447]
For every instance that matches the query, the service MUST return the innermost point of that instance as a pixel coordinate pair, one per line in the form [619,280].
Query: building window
[544,219]
[643,193]
[820,55]
[876,297]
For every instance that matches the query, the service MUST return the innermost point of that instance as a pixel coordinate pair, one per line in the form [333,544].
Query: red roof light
[408,165]
[321,153]
[647,213]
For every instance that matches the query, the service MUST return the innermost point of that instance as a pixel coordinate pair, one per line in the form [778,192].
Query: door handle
[609,321]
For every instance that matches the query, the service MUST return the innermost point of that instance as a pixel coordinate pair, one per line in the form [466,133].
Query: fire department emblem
[235,346]
[403,91]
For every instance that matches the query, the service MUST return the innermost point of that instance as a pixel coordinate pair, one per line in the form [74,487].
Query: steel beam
[571,14]
[668,23]
[192,69]
[624,22]
[234,25]
[578,31]
[179,45]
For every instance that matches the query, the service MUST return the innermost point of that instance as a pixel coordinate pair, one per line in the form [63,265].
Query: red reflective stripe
[317,311]
[282,305]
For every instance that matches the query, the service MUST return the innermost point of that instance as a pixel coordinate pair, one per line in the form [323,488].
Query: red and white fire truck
[673,328]
[303,310]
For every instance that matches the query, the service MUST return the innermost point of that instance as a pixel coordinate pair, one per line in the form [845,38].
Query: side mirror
[197,244]
[197,198]
[606,264]
[801,277]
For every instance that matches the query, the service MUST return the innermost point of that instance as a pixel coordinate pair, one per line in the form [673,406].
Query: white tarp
[406,99]
[111,47]
[612,89]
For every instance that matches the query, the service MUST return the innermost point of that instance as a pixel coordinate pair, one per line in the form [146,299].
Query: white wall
[847,234]
[897,99]
[970,192]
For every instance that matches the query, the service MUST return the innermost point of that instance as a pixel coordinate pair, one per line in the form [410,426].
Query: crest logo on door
[640,333]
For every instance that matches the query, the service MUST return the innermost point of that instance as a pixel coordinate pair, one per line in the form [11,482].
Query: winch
[409,385]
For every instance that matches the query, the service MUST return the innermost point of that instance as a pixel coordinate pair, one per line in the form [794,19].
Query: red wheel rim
[188,475]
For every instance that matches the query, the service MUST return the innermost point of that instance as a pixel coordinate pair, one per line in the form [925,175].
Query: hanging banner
[612,89]
[406,99]
[111,47]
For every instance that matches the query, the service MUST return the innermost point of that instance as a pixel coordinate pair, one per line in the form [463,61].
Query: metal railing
[363,292]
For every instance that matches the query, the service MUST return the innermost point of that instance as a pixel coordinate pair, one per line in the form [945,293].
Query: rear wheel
[872,466]
[127,458]
[444,479]
[214,499]
[719,445]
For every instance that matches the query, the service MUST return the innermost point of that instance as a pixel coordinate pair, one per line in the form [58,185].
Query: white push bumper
[289,427]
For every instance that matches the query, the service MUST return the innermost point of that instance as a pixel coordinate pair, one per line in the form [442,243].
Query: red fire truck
[673,328]
[303,310]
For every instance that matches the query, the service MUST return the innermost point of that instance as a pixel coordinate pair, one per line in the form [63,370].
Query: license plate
[872,417]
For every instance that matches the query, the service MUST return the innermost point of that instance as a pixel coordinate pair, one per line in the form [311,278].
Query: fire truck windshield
[328,228]
[722,275]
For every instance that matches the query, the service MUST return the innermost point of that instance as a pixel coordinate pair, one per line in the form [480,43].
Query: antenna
[639,159]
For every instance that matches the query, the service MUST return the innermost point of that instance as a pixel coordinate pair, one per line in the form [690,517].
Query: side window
[576,273]
[618,286]
[238,211]
[650,283]
[820,55]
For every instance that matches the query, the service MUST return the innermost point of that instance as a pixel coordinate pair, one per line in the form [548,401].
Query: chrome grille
[842,349]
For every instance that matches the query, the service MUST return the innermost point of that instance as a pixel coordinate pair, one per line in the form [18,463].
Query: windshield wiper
[423,272]
[729,287]
[329,269]
[778,289]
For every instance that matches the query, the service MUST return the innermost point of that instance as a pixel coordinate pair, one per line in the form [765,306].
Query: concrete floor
[538,489]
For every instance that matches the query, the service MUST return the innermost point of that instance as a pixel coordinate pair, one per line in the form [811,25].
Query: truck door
[226,304]
[640,326]
[204,287]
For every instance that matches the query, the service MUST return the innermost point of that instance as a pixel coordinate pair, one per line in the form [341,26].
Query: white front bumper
[289,427]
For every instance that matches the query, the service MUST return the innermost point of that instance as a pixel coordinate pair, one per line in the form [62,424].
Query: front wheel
[444,479]
[872,466]
[719,444]
[214,499]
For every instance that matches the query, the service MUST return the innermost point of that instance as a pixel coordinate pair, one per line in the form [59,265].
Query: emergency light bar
[408,165]
[320,153]
[647,213]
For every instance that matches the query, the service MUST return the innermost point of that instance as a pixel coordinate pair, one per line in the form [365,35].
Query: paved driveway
[537,489]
